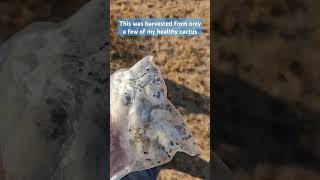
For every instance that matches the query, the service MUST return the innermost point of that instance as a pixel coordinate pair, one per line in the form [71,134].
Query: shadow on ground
[186,98]
[254,129]
[194,166]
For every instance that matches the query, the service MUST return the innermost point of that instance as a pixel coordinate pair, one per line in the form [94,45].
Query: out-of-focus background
[185,65]
[267,64]
[16,14]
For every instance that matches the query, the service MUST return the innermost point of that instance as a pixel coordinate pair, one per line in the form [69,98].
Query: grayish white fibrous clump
[147,128]
[53,100]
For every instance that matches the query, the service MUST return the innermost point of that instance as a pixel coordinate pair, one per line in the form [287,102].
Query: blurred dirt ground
[16,14]
[185,64]
[268,95]
[184,61]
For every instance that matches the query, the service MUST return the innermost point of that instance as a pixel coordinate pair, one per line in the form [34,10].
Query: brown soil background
[185,65]
[266,65]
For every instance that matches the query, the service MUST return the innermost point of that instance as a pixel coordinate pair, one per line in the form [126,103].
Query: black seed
[177,143]
[145,153]
[168,108]
[129,130]
[127,100]
[158,95]
[171,143]
[58,123]
[159,162]
[169,156]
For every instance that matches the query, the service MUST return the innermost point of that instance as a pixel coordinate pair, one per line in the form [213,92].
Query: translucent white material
[146,129]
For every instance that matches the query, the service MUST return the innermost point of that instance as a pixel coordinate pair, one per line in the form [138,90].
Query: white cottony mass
[146,129]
